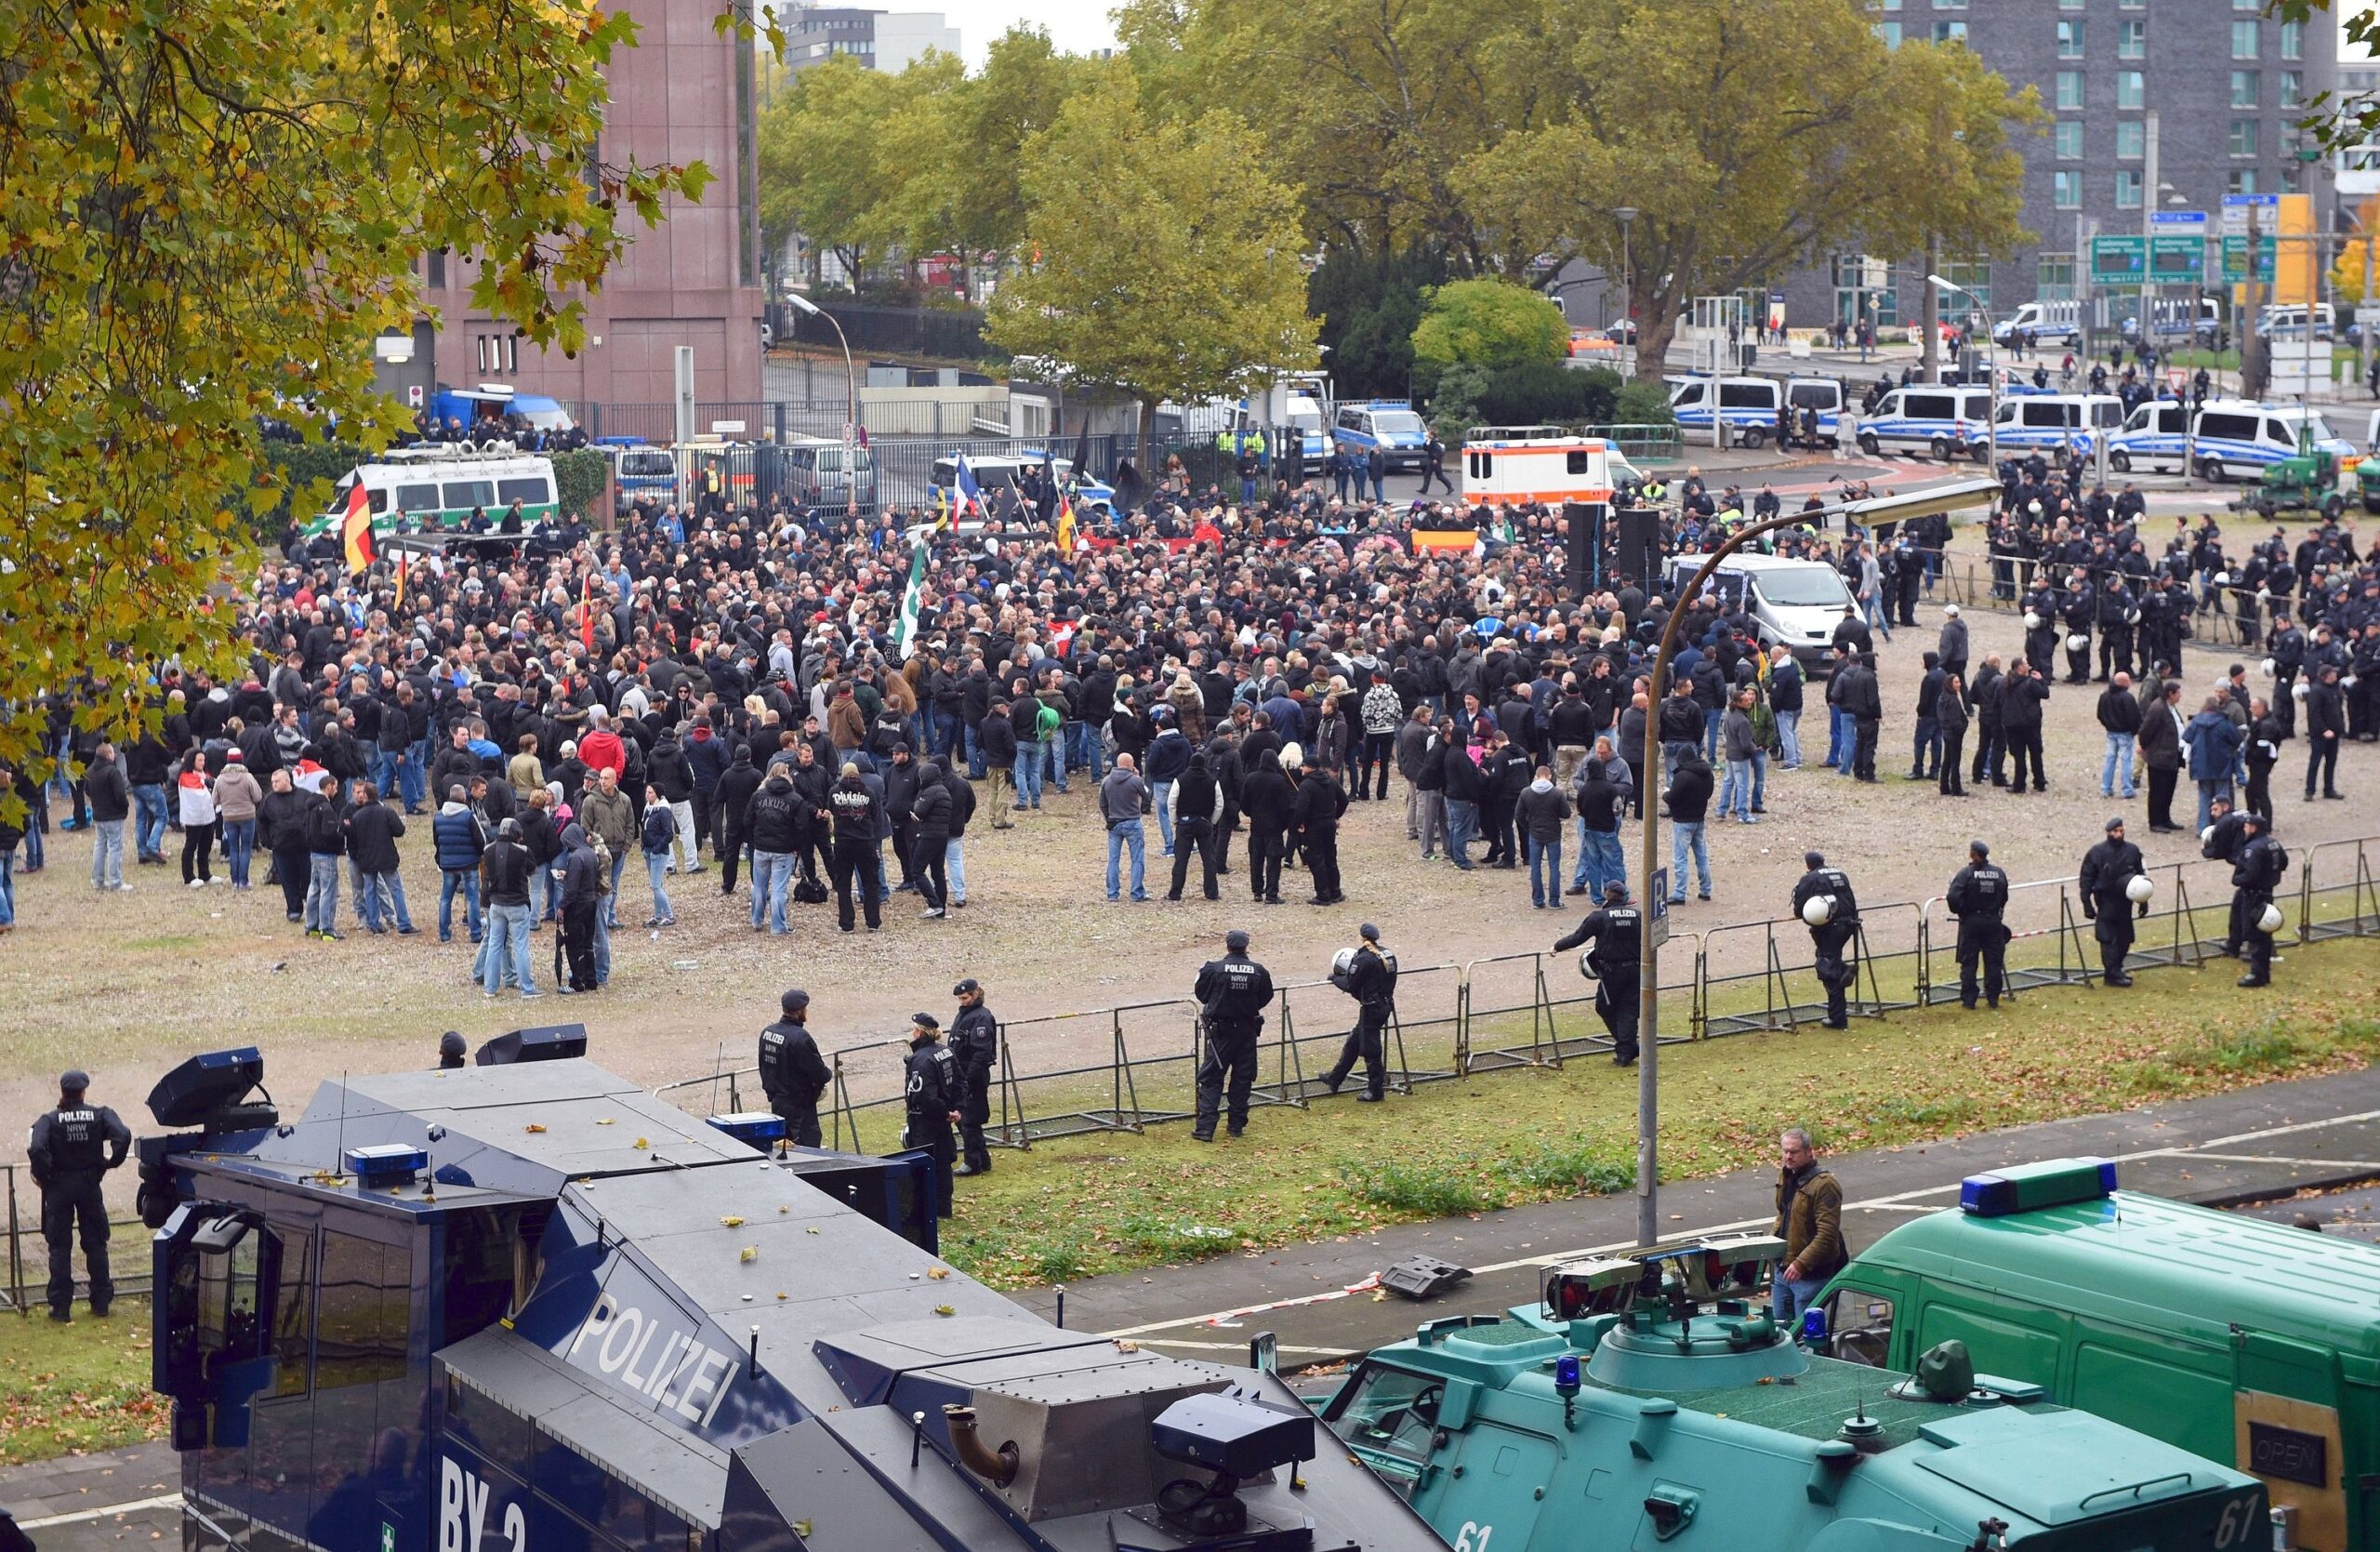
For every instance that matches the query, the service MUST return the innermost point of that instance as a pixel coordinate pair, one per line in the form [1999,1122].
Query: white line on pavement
[79,1516]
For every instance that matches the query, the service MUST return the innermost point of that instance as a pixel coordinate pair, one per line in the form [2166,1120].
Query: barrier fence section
[24,1280]
[2226,620]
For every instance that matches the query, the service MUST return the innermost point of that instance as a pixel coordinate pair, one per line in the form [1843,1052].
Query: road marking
[1893,1201]
[2268,1158]
[1232,1346]
[79,1516]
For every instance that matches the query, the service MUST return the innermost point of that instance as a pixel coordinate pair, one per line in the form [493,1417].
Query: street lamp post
[1990,427]
[1626,215]
[851,403]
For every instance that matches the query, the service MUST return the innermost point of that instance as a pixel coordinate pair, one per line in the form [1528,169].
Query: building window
[2070,5]
[2293,40]
[2132,137]
[2243,40]
[1950,4]
[1949,32]
[2132,40]
[2054,277]
[2241,181]
[2292,88]
[2130,90]
[438,269]
[1890,32]
[2070,40]
[2132,5]
[2127,188]
[2066,190]
[2246,87]
[480,341]
[2069,91]
[2070,141]
[2243,136]
[1974,275]
[2290,181]
[1889,7]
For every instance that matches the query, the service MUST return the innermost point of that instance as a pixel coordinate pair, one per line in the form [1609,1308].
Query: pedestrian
[1368,974]
[855,813]
[775,818]
[1232,993]
[654,838]
[326,836]
[2325,729]
[1416,761]
[110,797]
[1785,686]
[962,813]
[1688,801]
[1951,716]
[1824,901]
[931,1093]
[2023,691]
[2256,878]
[670,779]
[2266,732]
[930,811]
[1269,802]
[976,1045]
[2214,741]
[281,830]
[452,1048]
[2120,719]
[1978,898]
[582,886]
[194,806]
[1196,800]
[1123,798]
[1464,785]
[72,1146]
[373,830]
[1320,803]
[1542,816]
[237,798]
[1950,646]
[458,840]
[1616,929]
[2159,742]
[1809,1219]
[793,1075]
[505,870]
[2109,901]
[607,815]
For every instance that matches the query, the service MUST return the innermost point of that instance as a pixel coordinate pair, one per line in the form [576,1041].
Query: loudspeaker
[1421,1277]
[547,1043]
[202,1090]
[1636,552]
[1583,524]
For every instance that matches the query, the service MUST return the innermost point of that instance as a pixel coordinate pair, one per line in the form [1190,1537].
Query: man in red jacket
[599,748]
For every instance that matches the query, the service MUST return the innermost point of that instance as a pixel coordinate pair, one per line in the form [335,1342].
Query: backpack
[324,826]
[603,865]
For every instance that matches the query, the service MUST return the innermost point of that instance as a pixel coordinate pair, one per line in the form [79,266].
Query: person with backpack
[658,834]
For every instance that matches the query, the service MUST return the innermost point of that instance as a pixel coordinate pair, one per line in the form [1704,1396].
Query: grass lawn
[1086,1205]
[71,1389]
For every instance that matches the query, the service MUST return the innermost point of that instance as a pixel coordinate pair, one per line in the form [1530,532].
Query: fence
[1523,1012]
[2229,620]
[24,1280]
[947,332]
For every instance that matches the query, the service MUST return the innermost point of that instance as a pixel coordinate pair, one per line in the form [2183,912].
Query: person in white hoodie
[194,792]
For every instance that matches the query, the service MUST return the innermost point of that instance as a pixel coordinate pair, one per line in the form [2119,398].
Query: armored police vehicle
[524,1307]
[2246,1342]
[1649,1402]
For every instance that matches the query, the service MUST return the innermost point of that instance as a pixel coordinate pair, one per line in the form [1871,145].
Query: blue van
[2061,425]
[1391,424]
[1747,405]
[1941,421]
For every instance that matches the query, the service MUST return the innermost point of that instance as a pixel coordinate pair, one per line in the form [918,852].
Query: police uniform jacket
[1234,990]
[76,1144]
[1828,880]
[2259,865]
[1979,893]
[1616,933]
[793,1073]
[932,1086]
[1372,977]
[975,1038]
[2229,835]
[2106,868]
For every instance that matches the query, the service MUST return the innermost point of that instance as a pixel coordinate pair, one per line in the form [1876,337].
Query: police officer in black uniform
[1232,993]
[450,1050]
[1835,936]
[1370,979]
[1616,930]
[931,1090]
[2254,876]
[793,1073]
[975,1042]
[71,1147]
[2223,840]
[2106,868]
[1978,897]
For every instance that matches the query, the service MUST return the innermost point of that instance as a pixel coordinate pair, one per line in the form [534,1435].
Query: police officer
[71,1148]
[2107,868]
[1232,993]
[931,1090]
[2254,876]
[1978,896]
[793,1073]
[1370,979]
[1617,930]
[2223,840]
[975,1044]
[449,1051]
[1835,936]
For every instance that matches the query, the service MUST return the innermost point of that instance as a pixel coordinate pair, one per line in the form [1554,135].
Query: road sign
[2235,256]
[413,395]
[2367,315]
[2235,208]
[1660,930]
[2177,258]
[2122,259]
[2174,221]
[1660,891]
[727,428]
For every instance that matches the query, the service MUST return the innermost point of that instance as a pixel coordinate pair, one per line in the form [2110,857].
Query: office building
[888,40]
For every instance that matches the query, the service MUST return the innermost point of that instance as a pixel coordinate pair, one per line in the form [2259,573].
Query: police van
[1390,425]
[1791,603]
[441,484]
[1945,422]
[2229,438]
[809,470]
[1747,405]
[992,470]
[2059,323]
[640,472]
[2062,425]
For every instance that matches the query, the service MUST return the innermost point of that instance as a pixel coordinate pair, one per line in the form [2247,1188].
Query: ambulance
[1508,465]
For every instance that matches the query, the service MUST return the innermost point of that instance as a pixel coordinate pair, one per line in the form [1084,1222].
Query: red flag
[355,529]
[587,612]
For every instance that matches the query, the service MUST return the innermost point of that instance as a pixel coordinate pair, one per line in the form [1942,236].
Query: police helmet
[2269,921]
[1819,910]
[1342,962]
[2138,888]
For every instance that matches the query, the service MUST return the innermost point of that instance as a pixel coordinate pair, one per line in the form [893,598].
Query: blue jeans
[976,769]
[1926,749]
[1686,842]
[1600,859]
[1787,1300]
[413,778]
[107,853]
[771,873]
[954,867]
[1057,748]
[382,894]
[507,939]
[1735,796]
[1462,825]
[1846,740]
[657,864]
[384,770]
[1089,753]
[611,912]
[1545,871]
[2207,792]
[2117,766]
[321,893]
[148,811]
[1789,738]
[239,845]
[8,887]
[1129,833]
[1871,608]
[466,882]
[1160,792]
[1711,735]
[1759,779]
[1031,760]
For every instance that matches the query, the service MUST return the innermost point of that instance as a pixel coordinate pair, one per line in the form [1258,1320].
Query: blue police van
[1939,420]
[2059,425]
[2227,438]
[1391,424]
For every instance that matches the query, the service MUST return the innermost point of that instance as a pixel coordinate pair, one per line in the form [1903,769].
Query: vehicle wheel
[1942,449]
[2211,470]
[2335,505]
[1752,437]
[1870,445]
[2120,461]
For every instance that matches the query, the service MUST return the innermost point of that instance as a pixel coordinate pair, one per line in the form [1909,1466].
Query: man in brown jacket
[1809,1219]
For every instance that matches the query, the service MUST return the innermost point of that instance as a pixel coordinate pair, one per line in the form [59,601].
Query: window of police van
[1860,1326]
[647,463]
[530,491]
[416,498]
[1929,406]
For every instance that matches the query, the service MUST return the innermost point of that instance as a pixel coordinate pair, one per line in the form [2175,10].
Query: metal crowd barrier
[1532,1011]
[2228,620]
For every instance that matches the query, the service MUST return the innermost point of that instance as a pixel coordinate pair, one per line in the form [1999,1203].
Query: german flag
[355,530]
[1444,540]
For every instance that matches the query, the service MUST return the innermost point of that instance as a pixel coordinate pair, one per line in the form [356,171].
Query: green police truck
[2250,1343]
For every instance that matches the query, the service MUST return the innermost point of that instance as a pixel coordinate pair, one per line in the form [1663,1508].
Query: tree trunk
[1655,316]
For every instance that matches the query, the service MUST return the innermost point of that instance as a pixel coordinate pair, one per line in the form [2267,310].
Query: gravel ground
[127,984]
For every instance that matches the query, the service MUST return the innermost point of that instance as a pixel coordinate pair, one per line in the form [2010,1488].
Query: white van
[434,485]
[2054,323]
[1791,603]
[1925,418]
[1747,406]
[2234,437]
[2062,425]
[2287,321]
[2169,318]
[2154,439]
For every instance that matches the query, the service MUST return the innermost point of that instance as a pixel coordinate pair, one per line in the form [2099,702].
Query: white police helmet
[1819,910]
[2138,888]
[2270,922]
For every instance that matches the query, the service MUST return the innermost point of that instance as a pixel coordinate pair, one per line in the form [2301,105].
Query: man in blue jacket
[2213,740]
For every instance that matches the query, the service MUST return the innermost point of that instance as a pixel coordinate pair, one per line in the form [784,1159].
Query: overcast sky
[1077,26]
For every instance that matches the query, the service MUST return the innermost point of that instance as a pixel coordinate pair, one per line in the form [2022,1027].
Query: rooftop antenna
[338,1146]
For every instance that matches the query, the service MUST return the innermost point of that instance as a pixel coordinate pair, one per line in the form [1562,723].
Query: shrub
[1542,392]
[1642,404]
[578,484]
[1407,1189]
[1579,1171]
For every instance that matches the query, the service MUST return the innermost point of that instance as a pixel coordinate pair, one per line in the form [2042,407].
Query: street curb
[2258,1196]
